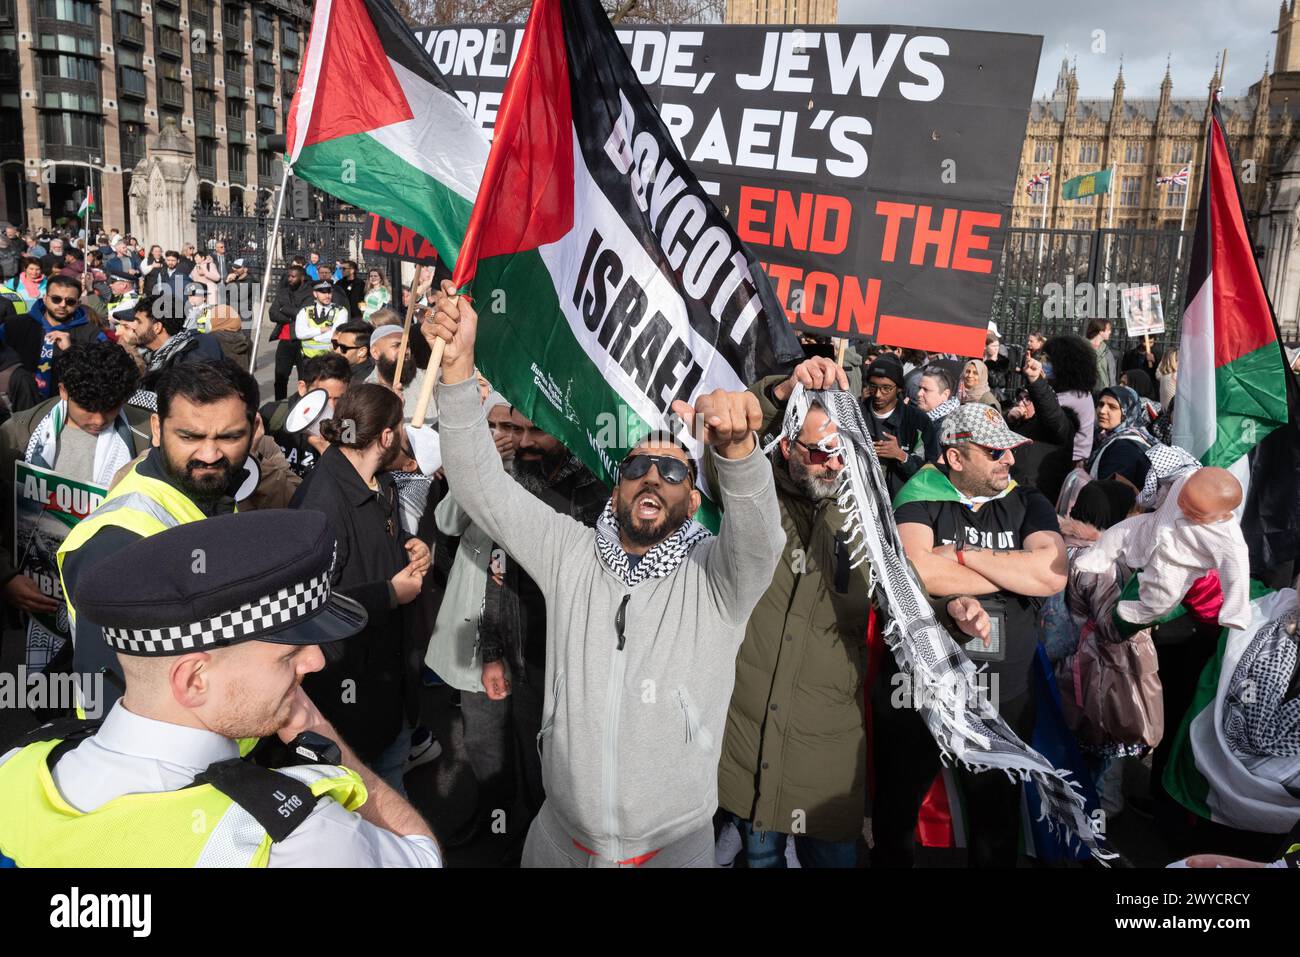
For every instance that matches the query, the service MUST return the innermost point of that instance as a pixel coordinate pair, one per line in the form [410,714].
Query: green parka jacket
[794,752]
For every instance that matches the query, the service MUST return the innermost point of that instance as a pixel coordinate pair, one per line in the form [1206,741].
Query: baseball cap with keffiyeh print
[981,425]
[247,576]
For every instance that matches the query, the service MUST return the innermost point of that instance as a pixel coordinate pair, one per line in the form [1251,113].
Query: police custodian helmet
[247,576]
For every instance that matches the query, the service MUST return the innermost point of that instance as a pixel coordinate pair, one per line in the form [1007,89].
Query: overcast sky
[1143,31]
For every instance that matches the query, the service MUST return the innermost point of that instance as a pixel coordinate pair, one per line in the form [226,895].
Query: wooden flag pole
[843,348]
[431,373]
[406,329]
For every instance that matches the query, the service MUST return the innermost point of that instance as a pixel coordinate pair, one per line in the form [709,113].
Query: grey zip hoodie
[630,738]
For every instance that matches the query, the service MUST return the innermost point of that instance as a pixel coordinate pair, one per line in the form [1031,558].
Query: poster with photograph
[1143,314]
[47,506]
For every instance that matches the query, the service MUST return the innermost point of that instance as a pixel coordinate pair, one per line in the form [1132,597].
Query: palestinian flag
[1223,767]
[374,123]
[607,283]
[87,204]
[1231,366]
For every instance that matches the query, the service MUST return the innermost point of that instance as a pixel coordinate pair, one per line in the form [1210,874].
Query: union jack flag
[1178,179]
[1038,179]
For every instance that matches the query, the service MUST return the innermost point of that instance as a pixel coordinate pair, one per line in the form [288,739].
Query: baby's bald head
[1209,496]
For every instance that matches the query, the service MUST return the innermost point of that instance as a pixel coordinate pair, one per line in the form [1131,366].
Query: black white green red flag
[374,123]
[1232,388]
[607,283]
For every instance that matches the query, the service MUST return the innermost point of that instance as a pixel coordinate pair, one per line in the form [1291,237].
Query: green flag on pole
[1089,184]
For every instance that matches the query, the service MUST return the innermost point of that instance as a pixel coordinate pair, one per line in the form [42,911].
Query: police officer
[122,292]
[202,432]
[316,321]
[11,304]
[214,643]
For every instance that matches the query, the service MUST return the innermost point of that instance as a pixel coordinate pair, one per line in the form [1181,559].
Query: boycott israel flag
[372,120]
[1232,388]
[607,283]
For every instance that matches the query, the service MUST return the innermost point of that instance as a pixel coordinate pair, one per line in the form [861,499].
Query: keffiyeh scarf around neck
[171,348]
[951,404]
[112,446]
[660,562]
[964,724]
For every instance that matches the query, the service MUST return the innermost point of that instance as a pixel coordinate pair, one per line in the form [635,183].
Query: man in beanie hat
[899,429]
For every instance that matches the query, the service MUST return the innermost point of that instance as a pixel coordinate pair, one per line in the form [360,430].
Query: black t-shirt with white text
[1001,525]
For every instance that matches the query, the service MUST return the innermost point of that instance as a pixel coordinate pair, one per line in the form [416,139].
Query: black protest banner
[869,168]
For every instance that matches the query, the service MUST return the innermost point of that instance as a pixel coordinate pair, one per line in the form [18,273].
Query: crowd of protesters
[633,689]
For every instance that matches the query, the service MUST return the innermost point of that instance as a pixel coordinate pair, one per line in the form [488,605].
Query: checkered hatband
[246,622]
[144,399]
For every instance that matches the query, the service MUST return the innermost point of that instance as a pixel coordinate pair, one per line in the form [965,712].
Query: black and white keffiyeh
[945,407]
[658,562]
[1168,462]
[173,347]
[952,699]
[412,497]
[1261,719]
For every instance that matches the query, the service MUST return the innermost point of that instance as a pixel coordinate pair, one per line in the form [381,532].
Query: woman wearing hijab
[1141,383]
[1119,449]
[975,384]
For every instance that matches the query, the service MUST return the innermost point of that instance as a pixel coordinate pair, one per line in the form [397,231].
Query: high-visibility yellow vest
[320,318]
[139,504]
[120,302]
[15,300]
[194,827]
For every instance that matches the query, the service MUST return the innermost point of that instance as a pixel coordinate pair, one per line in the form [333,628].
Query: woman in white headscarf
[975,384]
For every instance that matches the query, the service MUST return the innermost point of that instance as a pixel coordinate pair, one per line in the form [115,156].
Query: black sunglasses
[340,347]
[816,456]
[993,454]
[671,470]
[63,300]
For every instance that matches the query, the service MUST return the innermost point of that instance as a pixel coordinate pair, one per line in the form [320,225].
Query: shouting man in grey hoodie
[645,614]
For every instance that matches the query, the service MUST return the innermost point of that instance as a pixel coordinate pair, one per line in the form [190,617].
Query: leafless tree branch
[420,13]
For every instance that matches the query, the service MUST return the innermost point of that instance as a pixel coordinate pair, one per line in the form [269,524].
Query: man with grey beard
[512,635]
[794,752]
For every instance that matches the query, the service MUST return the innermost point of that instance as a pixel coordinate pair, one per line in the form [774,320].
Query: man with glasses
[969,530]
[897,427]
[54,323]
[794,755]
[644,617]
[352,341]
